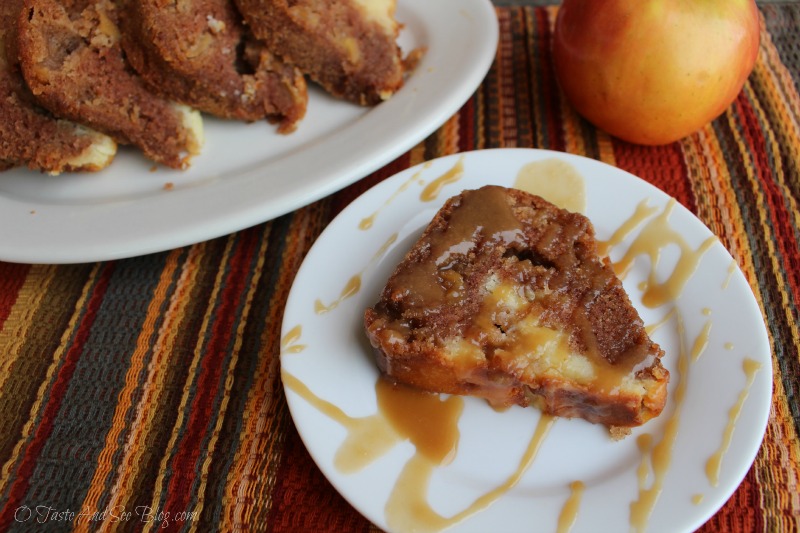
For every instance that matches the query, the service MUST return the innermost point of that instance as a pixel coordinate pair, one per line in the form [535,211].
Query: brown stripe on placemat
[48,403]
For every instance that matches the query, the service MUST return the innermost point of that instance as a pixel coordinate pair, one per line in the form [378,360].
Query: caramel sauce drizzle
[659,455]
[368,438]
[644,443]
[354,283]
[643,212]
[701,342]
[556,181]
[408,508]
[655,236]
[569,513]
[350,289]
[289,341]
[714,463]
[367,223]
[431,425]
[432,190]
[729,277]
[652,328]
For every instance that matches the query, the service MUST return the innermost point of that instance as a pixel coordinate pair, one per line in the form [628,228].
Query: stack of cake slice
[81,76]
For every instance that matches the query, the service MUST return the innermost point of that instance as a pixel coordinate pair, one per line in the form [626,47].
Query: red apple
[654,71]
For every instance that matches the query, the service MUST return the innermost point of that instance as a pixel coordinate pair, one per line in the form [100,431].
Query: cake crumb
[619,432]
[168,186]
[216,26]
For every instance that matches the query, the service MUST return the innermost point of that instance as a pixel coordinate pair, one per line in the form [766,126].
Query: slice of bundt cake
[505,297]
[29,135]
[347,46]
[73,62]
[200,53]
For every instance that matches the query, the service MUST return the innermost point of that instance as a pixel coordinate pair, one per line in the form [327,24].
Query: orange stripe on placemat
[170,452]
[153,388]
[252,472]
[779,238]
[17,321]
[201,396]
[704,173]
[742,511]
[12,278]
[253,282]
[82,324]
[772,179]
[779,106]
[448,136]
[717,204]
[782,423]
[125,397]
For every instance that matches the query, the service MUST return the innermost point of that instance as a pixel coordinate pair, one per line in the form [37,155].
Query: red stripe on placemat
[466,126]
[550,90]
[188,452]
[13,277]
[303,500]
[785,238]
[663,166]
[56,397]
[742,512]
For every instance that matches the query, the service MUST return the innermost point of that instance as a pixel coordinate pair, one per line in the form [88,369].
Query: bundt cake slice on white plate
[505,297]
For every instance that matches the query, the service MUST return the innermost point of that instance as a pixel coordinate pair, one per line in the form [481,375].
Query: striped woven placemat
[151,385]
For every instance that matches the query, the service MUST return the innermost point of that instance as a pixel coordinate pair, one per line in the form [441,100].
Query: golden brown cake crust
[200,53]
[504,297]
[73,63]
[332,41]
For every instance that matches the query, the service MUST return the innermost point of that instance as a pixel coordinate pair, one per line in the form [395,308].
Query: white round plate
[248,173]
[330,354]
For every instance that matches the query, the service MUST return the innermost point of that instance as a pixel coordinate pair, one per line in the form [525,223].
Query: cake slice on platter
[73,63]
[347,46]
[29,135]
[505,297]
[200,52]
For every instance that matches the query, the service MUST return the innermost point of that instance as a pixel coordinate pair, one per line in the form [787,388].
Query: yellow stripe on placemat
[780,182]
[253,470]
[20,320]
[149,404]
[783,99]
[229,377]
[159,487]
[55,363]
[780,401]
[125,397]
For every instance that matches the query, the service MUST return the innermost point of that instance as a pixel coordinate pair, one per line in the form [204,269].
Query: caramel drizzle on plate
[353,285]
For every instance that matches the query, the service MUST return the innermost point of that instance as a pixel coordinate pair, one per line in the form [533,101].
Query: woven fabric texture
[154,382]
